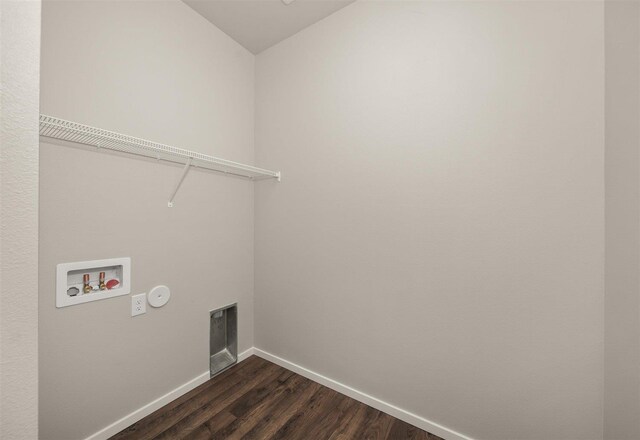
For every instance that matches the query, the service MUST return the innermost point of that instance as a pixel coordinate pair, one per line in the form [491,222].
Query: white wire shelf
[56,128]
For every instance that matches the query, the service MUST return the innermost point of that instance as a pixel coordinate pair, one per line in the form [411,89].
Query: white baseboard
[150,407]
[245,354]
[413,419]
[399,413]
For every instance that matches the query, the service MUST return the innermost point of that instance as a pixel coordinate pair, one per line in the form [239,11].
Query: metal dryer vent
[223,338]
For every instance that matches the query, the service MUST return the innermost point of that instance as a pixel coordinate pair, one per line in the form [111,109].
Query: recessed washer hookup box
[85,281]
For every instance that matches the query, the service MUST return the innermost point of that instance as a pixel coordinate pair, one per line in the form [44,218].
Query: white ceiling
[259,24]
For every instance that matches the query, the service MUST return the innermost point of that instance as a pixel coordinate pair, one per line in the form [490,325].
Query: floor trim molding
[150,407]
[413,419]
[420,422]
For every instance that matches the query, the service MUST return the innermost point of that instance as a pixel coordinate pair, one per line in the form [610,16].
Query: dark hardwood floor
[257,399]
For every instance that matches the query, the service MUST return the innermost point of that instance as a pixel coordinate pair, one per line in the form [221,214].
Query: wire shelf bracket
[56,128]
[185,170]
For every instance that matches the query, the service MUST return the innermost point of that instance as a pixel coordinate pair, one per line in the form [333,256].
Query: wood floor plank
[284,410]
[179,413]
[202,414]
[175,411]
[200,434]
[207,429]
[296,425]
[258,400]
[247,421]
[401,430]
[376,425]
[255,396]
[351,426]
[330,420]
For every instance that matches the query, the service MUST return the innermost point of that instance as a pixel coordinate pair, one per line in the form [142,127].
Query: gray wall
[438,237]
[156,70]
[19,78]
[437,241]
[622,162]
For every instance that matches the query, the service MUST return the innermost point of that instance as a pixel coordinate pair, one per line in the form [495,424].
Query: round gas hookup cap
[159,296]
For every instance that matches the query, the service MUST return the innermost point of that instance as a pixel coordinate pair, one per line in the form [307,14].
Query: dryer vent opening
[223,338]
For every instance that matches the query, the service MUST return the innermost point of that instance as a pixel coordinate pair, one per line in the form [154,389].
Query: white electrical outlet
[138,304]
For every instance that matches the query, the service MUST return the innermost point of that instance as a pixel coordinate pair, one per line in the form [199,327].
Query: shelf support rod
[185,170]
